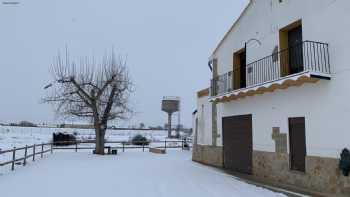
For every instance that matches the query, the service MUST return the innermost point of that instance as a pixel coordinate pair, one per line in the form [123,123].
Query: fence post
[51,148]
[143,147]
[42,150]
[34,152]
[25,155]
[13,159]
[123,146]
[165,144]
[76,146]
[182,144]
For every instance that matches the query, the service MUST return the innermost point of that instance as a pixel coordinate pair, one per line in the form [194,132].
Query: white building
[279,103]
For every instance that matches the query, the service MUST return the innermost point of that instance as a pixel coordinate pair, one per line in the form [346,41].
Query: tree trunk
[100,140]
[169,125]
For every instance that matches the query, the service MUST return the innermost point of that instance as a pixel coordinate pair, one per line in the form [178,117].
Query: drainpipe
[210,65]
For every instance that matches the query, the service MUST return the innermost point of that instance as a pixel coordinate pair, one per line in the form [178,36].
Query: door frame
[283,45]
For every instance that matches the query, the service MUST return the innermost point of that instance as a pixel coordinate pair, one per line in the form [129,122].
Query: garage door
[237,141]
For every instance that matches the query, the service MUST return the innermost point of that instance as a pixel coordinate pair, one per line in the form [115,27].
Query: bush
[26,124]
[139,140]
[63,139]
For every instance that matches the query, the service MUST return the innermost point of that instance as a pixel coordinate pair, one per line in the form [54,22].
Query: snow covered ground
[20,136]
[129,174]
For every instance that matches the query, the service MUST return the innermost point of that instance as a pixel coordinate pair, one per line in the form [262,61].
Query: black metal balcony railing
[306,56]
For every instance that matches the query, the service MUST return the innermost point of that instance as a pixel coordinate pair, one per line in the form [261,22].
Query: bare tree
[98,92]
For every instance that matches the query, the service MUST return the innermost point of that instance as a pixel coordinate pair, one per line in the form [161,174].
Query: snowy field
[129,174]
[20,136]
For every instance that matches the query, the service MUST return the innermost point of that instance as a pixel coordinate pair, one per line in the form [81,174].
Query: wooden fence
[30,152]
[123,145]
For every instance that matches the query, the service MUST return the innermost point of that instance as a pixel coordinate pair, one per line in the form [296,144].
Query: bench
[112,150]
[157,150]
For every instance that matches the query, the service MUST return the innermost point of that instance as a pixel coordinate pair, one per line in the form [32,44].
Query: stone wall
[321,174]
[210,155]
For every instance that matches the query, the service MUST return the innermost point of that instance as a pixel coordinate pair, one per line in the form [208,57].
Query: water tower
[170,105]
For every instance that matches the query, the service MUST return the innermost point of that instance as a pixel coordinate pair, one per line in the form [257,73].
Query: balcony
[306,62]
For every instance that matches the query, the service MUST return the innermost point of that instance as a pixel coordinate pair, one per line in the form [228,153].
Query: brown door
[291,54]
[239,69]
[297,143]
[238,142]
[243,70]
[295,39]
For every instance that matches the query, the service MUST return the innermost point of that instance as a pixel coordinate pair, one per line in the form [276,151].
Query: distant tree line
[23,124]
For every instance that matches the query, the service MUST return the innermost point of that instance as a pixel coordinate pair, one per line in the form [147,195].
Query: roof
[296,80]
[203,93]
[232,27]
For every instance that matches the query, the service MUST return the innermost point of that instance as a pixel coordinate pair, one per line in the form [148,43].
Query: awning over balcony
[283,83]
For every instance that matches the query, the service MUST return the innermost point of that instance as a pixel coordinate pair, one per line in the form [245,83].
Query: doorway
[295,39]
[291,49]
[243,63]
[238,143]
[240,69]
[297,143]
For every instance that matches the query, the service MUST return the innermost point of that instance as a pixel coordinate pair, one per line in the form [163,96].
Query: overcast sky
[167,43]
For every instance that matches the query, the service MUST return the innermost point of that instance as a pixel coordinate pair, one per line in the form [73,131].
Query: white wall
[323,20]
[194,127]
[326,111]
[324,104]
[204,112]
